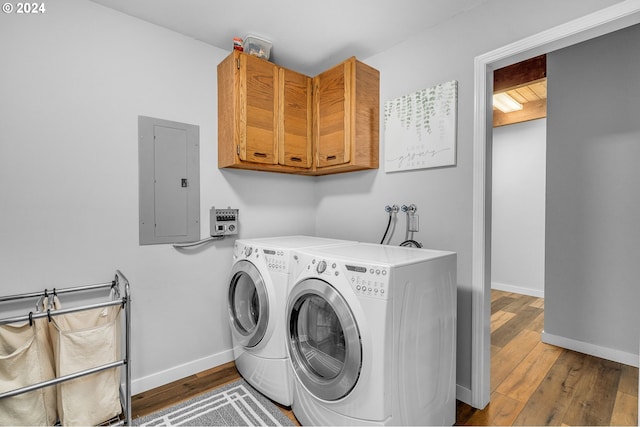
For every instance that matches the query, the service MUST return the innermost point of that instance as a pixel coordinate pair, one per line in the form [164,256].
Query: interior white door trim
[613,18]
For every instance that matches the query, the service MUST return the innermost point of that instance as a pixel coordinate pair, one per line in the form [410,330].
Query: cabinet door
[295,119]
[332,92]
[258,110]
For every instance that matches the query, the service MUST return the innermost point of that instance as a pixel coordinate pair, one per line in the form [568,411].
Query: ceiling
[308,36]
[526,83]
[533,91]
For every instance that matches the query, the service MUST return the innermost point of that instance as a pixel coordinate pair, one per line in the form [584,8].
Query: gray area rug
[235,404]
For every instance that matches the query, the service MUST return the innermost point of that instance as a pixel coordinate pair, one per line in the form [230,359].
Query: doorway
[616,17]
[518,177]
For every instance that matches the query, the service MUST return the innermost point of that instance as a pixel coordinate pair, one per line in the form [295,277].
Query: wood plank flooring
[532,383]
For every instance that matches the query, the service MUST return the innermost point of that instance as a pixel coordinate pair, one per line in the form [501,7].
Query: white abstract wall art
[420,129]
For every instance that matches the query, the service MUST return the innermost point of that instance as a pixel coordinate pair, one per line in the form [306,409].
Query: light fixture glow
[503,102]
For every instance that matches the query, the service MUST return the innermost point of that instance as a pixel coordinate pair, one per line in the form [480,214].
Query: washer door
[323,339]
[248,303]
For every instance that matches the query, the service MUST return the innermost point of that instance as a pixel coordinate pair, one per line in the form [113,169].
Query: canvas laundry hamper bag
[26,358]
[85,340]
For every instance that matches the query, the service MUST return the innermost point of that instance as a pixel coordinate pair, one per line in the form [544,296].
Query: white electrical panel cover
[169,181]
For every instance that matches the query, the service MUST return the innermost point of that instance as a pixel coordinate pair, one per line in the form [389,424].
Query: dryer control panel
[365,280]
[370,281]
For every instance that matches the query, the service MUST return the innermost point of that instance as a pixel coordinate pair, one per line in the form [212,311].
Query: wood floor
[532,383]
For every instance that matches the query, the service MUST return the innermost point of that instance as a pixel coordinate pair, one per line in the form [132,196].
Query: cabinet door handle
[331,157]
[259,154]
[296,159]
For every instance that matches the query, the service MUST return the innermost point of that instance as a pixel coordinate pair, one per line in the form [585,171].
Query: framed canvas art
[420,129]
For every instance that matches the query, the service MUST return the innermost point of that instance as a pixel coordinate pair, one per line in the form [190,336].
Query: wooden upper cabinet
[247,111]
[296,119]
[264,116]
[347,117]
[258,110]
[332,95]
[274,119]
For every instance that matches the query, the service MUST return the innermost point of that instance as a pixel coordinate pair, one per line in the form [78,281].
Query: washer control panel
[275,259]
[365,280]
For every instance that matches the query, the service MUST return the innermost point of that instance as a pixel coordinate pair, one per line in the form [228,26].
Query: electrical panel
[169,181]
[223,222]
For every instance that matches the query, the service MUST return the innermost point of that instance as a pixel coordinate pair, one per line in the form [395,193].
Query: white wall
[73,82]
[517,211]
[593,203]
[352,206]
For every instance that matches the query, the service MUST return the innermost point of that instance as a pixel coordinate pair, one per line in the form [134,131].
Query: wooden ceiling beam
[519,74]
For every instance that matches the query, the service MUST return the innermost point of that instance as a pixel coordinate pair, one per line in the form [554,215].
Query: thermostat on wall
[223,222]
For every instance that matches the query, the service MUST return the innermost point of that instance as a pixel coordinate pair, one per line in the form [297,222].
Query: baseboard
[517,289]
[181,371]
[158,379]
[592,349]
[463,394]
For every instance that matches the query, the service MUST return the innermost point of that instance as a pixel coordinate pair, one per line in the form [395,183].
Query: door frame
[610,19]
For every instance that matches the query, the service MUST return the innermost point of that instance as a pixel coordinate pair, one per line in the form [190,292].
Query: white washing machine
[372,336]
[258,289]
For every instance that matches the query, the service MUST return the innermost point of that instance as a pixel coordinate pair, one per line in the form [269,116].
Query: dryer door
[248,303]
[323,339]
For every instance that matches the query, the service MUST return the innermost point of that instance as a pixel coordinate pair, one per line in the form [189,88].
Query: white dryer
[372,336]
[258,288]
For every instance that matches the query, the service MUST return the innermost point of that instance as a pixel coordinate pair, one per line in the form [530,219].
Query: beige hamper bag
[26,358]
[85,340]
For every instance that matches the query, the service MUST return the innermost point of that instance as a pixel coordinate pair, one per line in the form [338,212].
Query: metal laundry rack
[119,281]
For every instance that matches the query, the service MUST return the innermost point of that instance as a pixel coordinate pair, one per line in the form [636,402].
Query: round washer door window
[324,340]
[248,303]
